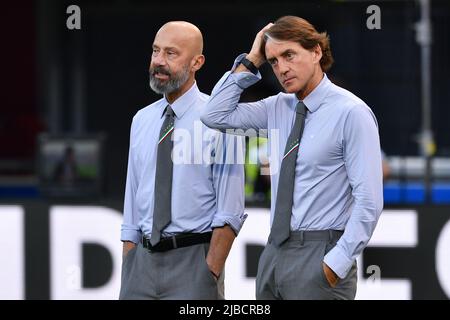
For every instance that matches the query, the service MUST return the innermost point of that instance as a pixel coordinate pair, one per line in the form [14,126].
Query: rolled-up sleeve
[228,176]
[130,230]
[223,110]
[362,157]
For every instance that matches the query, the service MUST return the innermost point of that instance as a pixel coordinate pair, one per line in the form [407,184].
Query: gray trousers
[177,274]
[294,270]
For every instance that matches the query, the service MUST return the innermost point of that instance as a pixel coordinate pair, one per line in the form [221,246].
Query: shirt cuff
[243,79]
[234,221]
[130,234]
[338,261]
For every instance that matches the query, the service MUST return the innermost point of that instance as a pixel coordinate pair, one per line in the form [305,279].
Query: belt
[315,235]
[178,241]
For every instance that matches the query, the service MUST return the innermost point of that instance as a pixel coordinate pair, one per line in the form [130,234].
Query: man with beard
[181,213]
[327,195]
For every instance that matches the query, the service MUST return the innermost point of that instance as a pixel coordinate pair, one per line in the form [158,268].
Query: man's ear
[317,53]
[197,62]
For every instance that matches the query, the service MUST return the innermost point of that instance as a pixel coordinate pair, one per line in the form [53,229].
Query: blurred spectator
[66,171]
[257,178]
[386,167]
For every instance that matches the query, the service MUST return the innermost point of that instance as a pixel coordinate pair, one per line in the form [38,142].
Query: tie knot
[301,108]
[169,111]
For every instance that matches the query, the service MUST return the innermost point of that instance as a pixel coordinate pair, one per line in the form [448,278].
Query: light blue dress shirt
[208,176]
[338,177]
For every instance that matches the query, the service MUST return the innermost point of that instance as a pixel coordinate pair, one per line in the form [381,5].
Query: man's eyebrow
[165,48]
[285,52]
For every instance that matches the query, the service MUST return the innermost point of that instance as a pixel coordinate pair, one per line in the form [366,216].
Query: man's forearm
[220,246]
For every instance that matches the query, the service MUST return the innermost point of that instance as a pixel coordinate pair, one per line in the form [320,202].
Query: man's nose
[158,60]
[283,68]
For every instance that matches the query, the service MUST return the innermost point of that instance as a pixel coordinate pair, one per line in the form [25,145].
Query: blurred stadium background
[71,94]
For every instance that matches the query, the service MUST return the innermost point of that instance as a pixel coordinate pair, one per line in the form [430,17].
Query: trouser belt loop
[174,241]
[302,237]
[330,236]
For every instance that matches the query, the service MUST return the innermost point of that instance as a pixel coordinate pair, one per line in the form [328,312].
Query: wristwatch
[249,65]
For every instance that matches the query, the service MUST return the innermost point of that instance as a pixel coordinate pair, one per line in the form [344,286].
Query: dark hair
[291,28]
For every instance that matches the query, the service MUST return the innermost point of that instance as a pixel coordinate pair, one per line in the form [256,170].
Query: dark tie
[163,178]
[283,206]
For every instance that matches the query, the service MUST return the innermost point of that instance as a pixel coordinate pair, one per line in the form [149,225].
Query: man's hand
[255,55]
[220,246]
[332,277]
[127,246]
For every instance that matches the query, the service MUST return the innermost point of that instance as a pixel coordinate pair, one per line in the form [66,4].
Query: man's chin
[158,87]
[290,89]
[160,82]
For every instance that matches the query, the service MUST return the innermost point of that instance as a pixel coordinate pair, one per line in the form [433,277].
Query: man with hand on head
[180,216]
[327,194]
